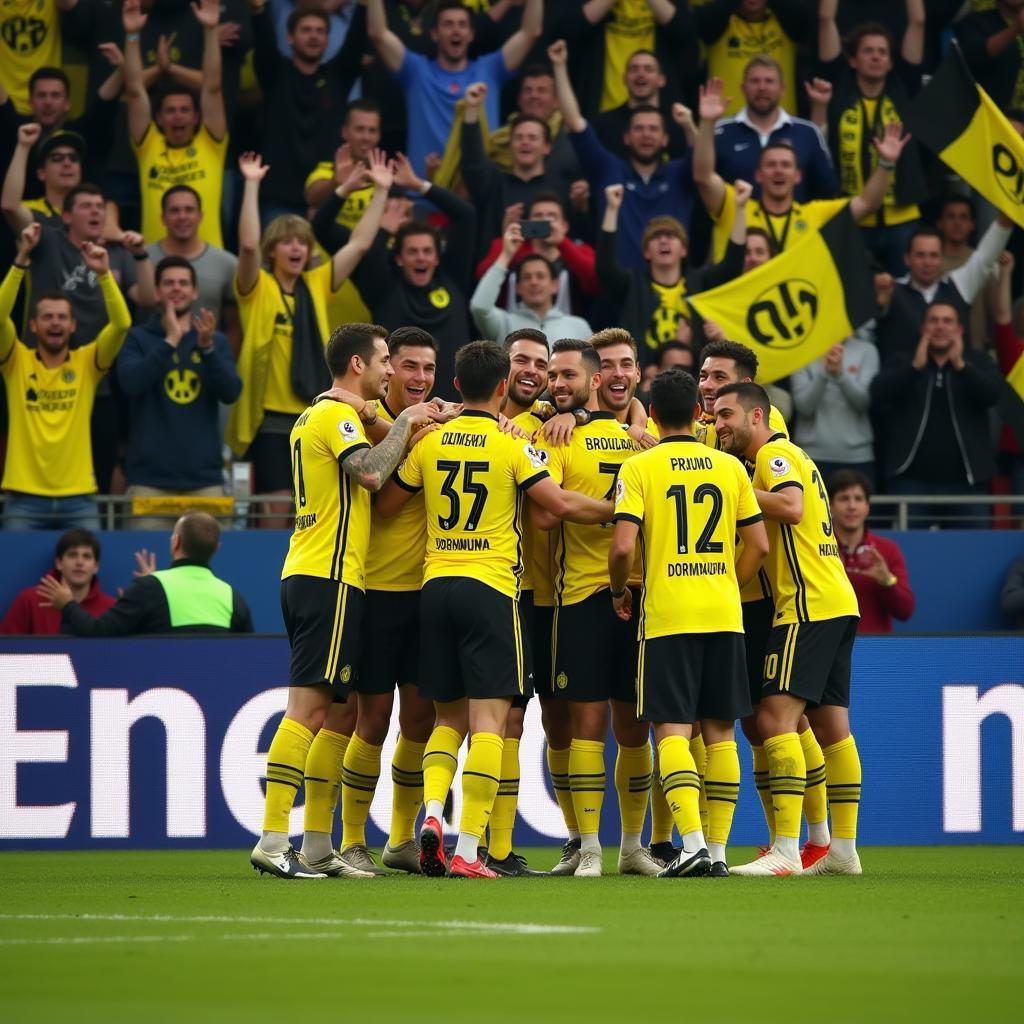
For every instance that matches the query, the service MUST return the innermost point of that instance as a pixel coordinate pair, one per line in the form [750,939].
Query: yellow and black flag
[957,120]
[794,308]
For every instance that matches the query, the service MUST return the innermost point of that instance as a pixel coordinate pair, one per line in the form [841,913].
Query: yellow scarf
[858,125]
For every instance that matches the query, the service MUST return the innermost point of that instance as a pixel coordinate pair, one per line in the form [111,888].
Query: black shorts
[390,648]
[683,678]
[526,619]
[811,660]
[471,642]
[757,625]
[594,653]
[324,621]
[271,455]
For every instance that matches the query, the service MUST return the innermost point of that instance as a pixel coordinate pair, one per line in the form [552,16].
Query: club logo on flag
[1008,173]
[784,314]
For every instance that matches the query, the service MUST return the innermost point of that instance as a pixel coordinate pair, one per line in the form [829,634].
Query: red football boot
[460,869]
[432,862]
[811,854]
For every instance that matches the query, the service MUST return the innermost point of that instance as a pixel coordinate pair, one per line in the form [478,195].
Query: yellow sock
[323,780]
[359,777]
[661,816]
[722,785]
[788,779]
[633,785]
[440,759]
[406,790]
[286,760]
[587,782]
[764,790]
[503,814]
[680,782]
[558,767]
[815,802]
[842,763]
[699,753]
[480,777]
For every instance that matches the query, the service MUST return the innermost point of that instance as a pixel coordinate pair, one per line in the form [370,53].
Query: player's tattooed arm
[371,467]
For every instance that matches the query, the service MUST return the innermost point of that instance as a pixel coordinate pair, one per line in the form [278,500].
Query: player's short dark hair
[959,200]
[306,10]
[176,190]
[350,340]
[412,228]
[674,397]
[525,334]
[77,538]
[750,396]
[644,108]
[743,357]
[199,535]
[169,263]
[588,354]
[535,257]
[480,367]
[48,74]
[544,197]
[614,336]
[363,105]
[411,337]
[846,479]
[780,144]
[170,90]
[674,346]
[923,231]
[86,188]
[517,119]
[861,32]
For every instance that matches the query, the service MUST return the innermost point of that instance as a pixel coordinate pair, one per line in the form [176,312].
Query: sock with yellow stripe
[587,781]
[406,790]
[286,760]
[558,767]
[722,785]
[681,784]
[661,816]
[323,786]
[633,786]
[359,776]
[815,800]
[480,776]
[503,814]
[842,764]
[764,790]
[440,761]
[699,753]
[788,777]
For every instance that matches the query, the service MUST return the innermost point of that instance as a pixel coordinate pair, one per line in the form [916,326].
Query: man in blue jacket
[176,369]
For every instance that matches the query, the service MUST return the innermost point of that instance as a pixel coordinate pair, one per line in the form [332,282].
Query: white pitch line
[491,927]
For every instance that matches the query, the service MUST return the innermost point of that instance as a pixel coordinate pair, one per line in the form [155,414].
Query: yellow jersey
[804,566]
[332,512]
[785,229]
[29,39]
[474,480]
[672,307]
[628,27]
[398,544]
[589,464]
[200,164]
[688,501]
[537,554]
[729,54]
[49,451]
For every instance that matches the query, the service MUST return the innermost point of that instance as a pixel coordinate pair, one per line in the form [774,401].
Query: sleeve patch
[620,490]
[348,430]
[538,458]
[779,466]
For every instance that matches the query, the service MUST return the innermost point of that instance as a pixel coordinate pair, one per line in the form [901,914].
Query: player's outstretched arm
[755,549]
[571,505]
[371,468]
[785,506]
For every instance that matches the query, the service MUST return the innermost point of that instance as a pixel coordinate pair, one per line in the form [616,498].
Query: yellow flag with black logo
[957,120]
[794,308]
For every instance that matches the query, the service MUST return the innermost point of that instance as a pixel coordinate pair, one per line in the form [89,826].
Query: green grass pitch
[928,934]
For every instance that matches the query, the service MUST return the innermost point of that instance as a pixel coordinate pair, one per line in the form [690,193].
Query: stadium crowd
[195,194]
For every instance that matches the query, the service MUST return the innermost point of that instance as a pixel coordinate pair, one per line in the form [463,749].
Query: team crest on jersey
[346,674]
[778,466]
[538,459]
[561,680]
[348,430]
[439,298]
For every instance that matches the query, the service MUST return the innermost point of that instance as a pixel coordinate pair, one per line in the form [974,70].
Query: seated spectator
[175,369]
[762,121]
[284,325]
[645,82]
[670,355]
[991,43]
[654,187]
[778,174]
[492,190]
[874,564]
[653,304]
[304,98]
[832,397]
[184,142]
[936,409]
[77,563]
[186,598]
[181,210]
[432,87]
[536,286]
[956,224]
[48,477]
[574,262]
[1011,598]
[871,91]
[59,169]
